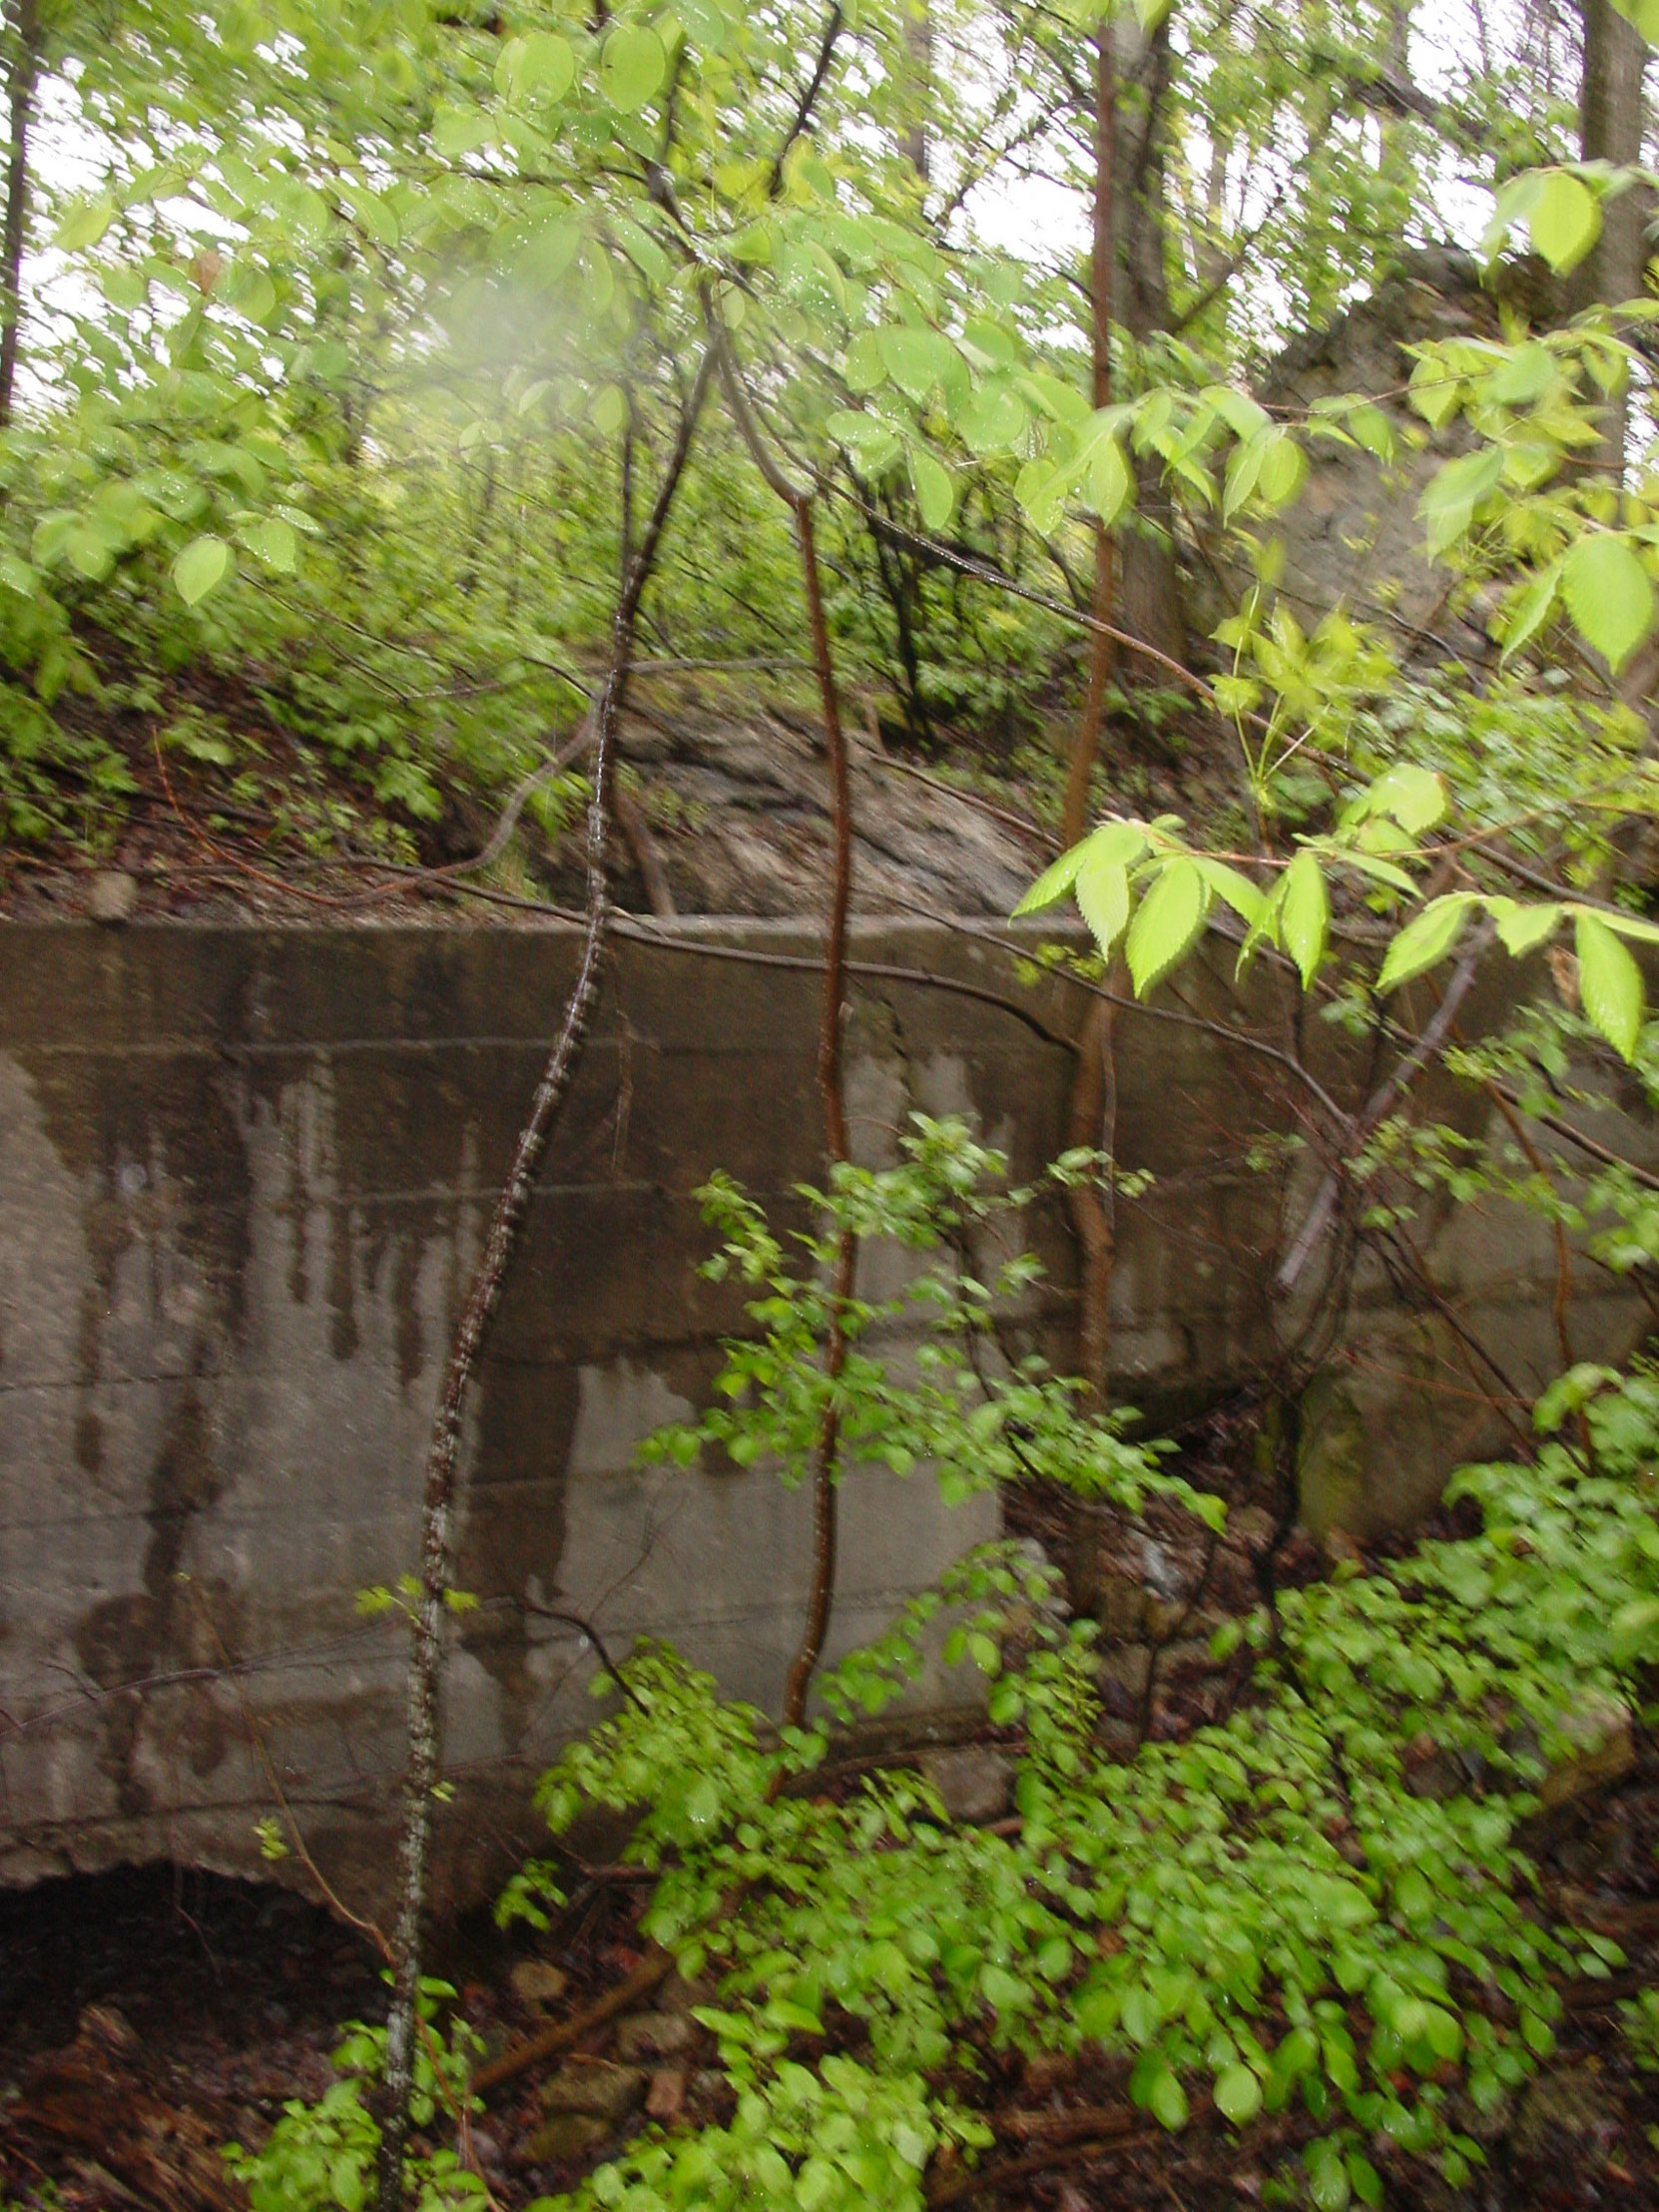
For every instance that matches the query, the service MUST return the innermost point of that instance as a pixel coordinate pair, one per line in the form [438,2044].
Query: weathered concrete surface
[244,1175]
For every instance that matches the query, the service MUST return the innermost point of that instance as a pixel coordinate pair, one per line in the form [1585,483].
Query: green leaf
[1608,595]
[993,422]
[85,225]
[918,361]
[936,493]
[1304,915]
[1236,891]
[1055,882]
[1167,923]
[1610,984]
[1238,2095]
[1167,2101]
[1565,221]
[201,568]
[1413,796]
[1425,940]
[272,542]
[345,2182]
[538,65]
[1110,483]
[1449,504]
[1102,890]
[1634,1632]
[1281,469]
[1530,609]
[632,67]
[1328,2182]
[1368,2182]
[1521,930]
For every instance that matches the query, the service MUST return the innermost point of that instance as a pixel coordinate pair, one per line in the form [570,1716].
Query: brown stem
[1075,818]
[808,98]
[437,1508]
[1092,1122]
[25,66]
[821,1596]
[642,845]
[649,1975]
[1381,1103]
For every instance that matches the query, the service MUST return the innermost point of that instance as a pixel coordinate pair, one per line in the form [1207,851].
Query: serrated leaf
[1610,986]
[1166,923]
[1530,609]
[936,493]
[1525,377]
[1373,431]
[201,568]
[1236,891]
[1304,915]
[1102,890]
[1608,595]
[1238,2095]
[1564,220]
[1055,882]
[1521,930]
[1425,940]
[632,67]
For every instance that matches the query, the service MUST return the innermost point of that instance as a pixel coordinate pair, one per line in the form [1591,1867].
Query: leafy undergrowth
[1259,1960]
[1266,1926]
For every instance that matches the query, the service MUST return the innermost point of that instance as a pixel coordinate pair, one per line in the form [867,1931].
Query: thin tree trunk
[1149,576]
[1101,297]
[918,49]
[23,25]
[1611,130]
[438,1505]
[820,1595]
[1094,1078]
[825,1472]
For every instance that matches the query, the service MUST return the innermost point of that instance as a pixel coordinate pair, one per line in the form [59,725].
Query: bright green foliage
[836,2141]
[1267,1910]
[972,1424]
[323,2154]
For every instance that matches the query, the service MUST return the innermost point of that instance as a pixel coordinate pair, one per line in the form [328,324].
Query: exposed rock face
[740,812]
[1354,537]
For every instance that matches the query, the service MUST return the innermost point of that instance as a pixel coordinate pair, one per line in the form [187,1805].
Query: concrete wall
[244,1176]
